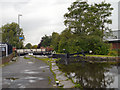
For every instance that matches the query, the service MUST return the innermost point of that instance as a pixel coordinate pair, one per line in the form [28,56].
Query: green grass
[26,58]
[7,63]
[100,56]
[96,55]
[43,70]
[78,86]
[49,80]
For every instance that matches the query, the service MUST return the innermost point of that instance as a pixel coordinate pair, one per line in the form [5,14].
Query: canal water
[92,75]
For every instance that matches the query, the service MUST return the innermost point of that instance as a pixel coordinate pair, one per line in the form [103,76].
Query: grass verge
[7,63]
[26,57]
[96,55]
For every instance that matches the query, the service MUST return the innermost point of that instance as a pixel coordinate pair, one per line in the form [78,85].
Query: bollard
[57,83]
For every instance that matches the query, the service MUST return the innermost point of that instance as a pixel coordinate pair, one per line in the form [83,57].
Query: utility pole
[19,30]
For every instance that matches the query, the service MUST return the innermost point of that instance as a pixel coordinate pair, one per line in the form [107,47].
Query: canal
[92,75]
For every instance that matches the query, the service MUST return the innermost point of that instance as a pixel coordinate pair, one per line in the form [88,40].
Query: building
[3,50]
[119,17]
[115,41]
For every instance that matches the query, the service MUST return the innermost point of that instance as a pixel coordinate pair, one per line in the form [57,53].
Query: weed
[43,70]
[26,57]
[77,86]
[49,80]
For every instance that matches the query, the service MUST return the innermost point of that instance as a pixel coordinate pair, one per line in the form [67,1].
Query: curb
[60,76]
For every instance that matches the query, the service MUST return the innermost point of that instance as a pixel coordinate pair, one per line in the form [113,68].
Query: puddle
[6,83]
[30,62]
[19,84]
[35,78]
[22,87]
[26,70]
[40,78]
[44,67]
[31,72]
[11,79]
[32,81]
[31,78]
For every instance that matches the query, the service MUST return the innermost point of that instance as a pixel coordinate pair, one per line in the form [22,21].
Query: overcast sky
[40,17]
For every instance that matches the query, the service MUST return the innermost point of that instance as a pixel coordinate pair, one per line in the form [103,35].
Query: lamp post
[19,18]
[19,30]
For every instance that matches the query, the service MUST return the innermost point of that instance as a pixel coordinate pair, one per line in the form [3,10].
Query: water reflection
[91,75]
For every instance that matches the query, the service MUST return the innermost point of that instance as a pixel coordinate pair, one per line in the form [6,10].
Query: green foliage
[85,29]
[26,57]
[85,19]
[11,33]
[55,41]
[78,86]
[113,53]
[28,46]
[34,46]
[46,41]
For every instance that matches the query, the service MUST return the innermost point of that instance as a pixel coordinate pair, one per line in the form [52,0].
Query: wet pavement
[27,73]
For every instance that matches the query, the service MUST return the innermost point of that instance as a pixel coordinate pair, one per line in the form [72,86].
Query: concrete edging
[60,76]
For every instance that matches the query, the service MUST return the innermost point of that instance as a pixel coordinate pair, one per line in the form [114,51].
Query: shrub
[113,53]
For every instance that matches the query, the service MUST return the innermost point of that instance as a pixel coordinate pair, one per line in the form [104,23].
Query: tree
[34,46]
[88,23]
[46,41]
[104,13]
[55,41]
[84,19]
[11,34]
[28,45]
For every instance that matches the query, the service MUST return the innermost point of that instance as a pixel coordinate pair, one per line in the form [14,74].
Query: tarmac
[27,73]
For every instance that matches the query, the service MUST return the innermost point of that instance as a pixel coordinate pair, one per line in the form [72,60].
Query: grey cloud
[16,4]
[33,24]
[59,2]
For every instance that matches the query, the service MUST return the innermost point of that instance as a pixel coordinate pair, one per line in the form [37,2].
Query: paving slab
[60,76]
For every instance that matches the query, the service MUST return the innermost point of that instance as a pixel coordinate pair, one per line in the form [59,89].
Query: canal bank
[60,78]
[67,59]
[92,75]
[84,74]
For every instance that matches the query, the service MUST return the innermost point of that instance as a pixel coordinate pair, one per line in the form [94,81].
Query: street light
[19,29]
[19,18]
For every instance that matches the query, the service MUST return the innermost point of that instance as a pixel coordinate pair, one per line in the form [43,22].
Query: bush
[78,86]
[113,53]
[101,49]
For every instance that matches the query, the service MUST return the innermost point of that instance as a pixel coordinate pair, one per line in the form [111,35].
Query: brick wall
[115,45]
[7,59]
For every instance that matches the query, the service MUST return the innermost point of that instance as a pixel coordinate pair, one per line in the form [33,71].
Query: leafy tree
[65,38]
[88,23]
[11,34]
[34,46]
[104,11]
[55,41]
[84,19]
[85,29]
[46,41]
[28,45]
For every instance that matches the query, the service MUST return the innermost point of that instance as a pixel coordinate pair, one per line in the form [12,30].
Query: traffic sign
[20,37]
